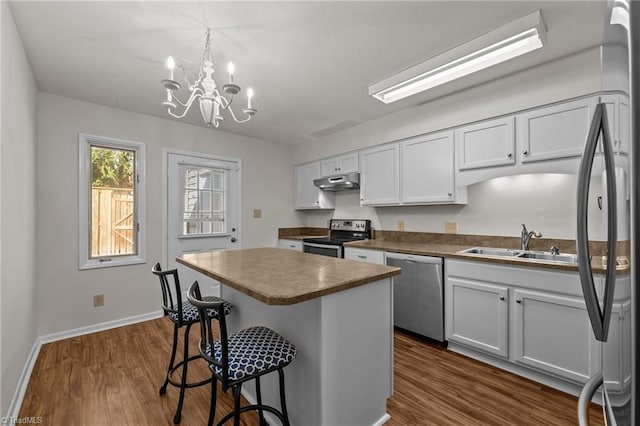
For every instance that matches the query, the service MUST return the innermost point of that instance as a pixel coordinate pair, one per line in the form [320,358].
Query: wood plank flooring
[112,378]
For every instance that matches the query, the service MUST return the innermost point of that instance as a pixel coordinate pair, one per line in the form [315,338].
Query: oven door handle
[327,246]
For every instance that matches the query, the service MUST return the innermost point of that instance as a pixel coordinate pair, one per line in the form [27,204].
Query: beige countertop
[451,251]
[284,277]
[301,237]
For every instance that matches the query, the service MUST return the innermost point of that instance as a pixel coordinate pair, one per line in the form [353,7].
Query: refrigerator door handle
[586,394]
[599,318]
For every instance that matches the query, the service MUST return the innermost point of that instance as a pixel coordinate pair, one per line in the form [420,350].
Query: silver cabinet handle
[450,194]
[518,301]
[362,257]
[292,245]
[501,297]
[525,152]
[509,155]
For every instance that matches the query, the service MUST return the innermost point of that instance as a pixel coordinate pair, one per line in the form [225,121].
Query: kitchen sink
[519,254]
[487,251]
[566,258]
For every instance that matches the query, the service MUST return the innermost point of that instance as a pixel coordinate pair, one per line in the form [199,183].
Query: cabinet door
[364,255]
[617,350]
[290,244]
[427,166]
[623,126]
[557,131]
[487,144]
[308,196]
[379,175]
[342,164]
[553,334]
[477,315]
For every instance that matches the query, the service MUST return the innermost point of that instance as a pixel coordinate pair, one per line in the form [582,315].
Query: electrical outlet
[257,213]
[98,300]
[401,225]
[450,228]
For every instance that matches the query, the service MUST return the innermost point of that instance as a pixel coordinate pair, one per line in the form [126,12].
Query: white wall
[547,204]
[18,308]
[66,294]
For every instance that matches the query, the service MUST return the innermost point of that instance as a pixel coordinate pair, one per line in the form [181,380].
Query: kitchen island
[337,312]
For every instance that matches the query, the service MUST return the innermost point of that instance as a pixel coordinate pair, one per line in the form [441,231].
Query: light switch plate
[401,225]
[257,213]
[98,300]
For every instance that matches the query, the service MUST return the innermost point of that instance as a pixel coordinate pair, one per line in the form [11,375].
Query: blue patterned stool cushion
[253,351]
[190,312]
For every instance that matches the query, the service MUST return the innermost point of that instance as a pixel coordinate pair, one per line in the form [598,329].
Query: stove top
[343,231]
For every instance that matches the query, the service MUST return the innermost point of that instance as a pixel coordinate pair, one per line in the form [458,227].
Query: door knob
[233,239]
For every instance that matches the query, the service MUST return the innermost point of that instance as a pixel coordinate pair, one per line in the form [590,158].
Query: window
[204,195]
[111,207]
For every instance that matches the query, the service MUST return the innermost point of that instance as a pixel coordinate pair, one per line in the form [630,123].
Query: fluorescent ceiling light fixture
[512,40]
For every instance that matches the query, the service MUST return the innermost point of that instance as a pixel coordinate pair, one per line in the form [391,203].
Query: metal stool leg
[177,417]
[236,404]
[163,388]
[259,399]
[283,403]
[212,408]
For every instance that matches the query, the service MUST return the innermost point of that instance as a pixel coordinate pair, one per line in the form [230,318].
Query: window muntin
[111,202]
[204,200]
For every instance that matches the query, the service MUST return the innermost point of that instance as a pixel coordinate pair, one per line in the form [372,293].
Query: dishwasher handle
[414,258]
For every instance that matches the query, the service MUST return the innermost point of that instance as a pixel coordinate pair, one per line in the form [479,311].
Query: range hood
[339,182]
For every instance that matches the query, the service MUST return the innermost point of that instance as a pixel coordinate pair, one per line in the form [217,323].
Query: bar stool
[182,314]
[240,357]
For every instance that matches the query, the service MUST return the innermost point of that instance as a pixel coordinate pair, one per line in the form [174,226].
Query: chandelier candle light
[205,90]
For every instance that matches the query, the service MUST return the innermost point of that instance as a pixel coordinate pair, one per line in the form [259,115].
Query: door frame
[165,192]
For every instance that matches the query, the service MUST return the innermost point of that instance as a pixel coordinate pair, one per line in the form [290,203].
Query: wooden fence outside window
[112,213]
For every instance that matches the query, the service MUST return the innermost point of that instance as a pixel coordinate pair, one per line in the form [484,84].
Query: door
[553,334]
[203,196]
[477,315]
[428,169]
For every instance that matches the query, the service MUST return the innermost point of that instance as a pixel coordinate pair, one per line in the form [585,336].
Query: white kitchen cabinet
[308,196]
[486,144]
[364,255]
[556,131]
[427,165]
[617,350]
[553,334]
[290,244]
[341,164]
[618,120]
[476,315]
[380,175]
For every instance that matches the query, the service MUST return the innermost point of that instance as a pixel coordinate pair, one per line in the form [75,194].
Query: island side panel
[300,324]
[357,354]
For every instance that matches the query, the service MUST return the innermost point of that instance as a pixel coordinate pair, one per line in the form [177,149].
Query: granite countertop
[301,237]
[284,277]
[452,251]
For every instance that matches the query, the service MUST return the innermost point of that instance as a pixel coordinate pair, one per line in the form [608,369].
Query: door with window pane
[202,211]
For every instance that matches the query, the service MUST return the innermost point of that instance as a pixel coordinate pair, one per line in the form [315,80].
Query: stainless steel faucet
[526,236]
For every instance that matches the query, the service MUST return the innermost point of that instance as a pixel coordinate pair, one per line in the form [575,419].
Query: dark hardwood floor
[112,378]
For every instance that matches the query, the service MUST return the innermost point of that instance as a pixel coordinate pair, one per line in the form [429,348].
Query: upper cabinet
[486,144]
[307,195]
[428,170]
[341,164]
[618,117]
[557,131]
[380,175]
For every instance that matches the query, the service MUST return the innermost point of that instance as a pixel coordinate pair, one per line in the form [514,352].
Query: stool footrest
[178,383]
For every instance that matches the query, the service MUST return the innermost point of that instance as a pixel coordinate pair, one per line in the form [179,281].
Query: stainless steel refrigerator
[613,325]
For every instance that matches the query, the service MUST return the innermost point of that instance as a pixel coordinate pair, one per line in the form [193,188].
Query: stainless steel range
[341,231]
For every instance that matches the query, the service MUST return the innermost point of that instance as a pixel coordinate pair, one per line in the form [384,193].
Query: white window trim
[84,186]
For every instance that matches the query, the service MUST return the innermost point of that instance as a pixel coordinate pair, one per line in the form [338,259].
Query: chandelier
[204,89]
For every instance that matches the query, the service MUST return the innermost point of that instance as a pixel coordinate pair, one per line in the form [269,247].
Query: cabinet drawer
[290,244]
[364,255]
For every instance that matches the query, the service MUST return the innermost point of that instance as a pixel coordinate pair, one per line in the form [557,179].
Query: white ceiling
[310,63]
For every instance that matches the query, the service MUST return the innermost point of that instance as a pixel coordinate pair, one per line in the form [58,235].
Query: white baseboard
[47,338]
[18,396]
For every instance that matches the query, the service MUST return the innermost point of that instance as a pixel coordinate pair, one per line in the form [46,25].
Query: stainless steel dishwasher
[418,294]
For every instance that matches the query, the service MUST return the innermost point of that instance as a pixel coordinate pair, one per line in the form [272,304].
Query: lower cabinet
[552,333]
[477,315]
[364,255]
[534,320]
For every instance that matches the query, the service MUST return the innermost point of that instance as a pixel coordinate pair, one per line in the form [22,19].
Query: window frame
[183,188]
[85,141]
